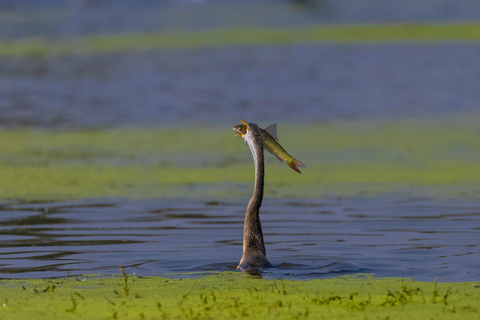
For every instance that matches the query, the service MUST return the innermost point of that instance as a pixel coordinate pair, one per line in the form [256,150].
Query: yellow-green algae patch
[236,296]
[245,36]
[439,158]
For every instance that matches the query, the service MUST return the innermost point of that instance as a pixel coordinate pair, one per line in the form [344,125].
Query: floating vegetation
[439,158]
[234,295]
[100,44]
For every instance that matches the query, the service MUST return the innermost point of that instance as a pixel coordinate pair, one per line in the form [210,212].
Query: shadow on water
[307,239]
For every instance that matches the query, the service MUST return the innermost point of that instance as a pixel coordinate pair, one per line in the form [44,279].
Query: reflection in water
[306,239]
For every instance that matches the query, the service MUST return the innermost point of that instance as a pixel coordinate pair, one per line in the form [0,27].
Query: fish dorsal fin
[272,130]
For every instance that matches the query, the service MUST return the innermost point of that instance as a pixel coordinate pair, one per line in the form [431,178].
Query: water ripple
[420,238]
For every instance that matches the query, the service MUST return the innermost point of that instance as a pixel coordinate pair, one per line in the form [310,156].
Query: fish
[270,143]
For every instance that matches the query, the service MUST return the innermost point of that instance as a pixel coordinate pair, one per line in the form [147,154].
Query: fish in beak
[270,143]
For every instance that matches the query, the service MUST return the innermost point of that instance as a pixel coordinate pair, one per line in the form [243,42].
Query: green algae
[439,158]
[375,33]
[236,296]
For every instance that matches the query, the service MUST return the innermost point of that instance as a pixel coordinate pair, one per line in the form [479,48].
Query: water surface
[315,83]
[70,18]
[270,84]
[418,238]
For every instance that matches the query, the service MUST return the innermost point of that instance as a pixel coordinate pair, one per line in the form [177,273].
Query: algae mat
[236,296]
[366,33]
[438,158]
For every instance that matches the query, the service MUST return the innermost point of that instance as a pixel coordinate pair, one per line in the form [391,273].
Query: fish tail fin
[294,164]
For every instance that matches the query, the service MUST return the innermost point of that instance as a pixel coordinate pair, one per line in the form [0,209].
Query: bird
[254,254]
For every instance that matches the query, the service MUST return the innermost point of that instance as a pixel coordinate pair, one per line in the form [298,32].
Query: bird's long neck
[252,234]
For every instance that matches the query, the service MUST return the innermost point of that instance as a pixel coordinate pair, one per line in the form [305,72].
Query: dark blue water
[268,84]
[308,239]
